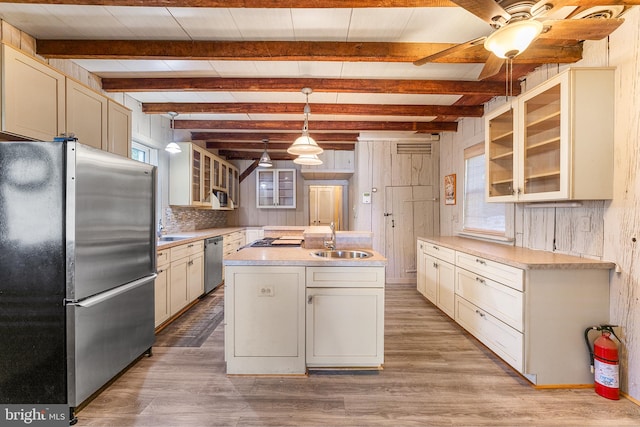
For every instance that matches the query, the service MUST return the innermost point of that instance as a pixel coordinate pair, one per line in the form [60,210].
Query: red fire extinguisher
[604,362]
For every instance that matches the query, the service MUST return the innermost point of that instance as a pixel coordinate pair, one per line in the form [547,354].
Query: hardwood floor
[435,374]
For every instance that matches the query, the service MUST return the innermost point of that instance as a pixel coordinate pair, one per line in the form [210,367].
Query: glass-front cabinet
[554,142]
[500,154]
[195,173]
[276,188]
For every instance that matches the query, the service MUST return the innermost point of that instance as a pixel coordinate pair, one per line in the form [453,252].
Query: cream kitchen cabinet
[345,316]
[186,275]
[195,173]
[186,176]
[436,277]
[264,319]
[162,286]
[556,143]
[33,97]
[119,130]
[276,188]
[86,115]
[231,243]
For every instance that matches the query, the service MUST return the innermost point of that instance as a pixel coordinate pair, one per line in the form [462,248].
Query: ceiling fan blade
[581,29]
[483,9]
[449,51]
[491,67]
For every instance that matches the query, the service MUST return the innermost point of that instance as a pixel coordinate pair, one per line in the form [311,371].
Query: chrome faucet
[331,244]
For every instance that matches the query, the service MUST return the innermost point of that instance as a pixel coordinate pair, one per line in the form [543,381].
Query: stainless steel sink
[349,254]
[171,238]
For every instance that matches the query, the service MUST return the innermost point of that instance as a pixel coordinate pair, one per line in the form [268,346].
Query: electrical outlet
[266,291]
[585,224]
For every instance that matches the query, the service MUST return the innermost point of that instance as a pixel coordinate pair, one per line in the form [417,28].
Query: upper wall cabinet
[40,103]
[276,188]
[86,115]
[554,142]
[119,130]
[195,174]
[33,97]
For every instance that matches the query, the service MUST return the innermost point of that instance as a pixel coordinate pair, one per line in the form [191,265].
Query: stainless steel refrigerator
[77,269]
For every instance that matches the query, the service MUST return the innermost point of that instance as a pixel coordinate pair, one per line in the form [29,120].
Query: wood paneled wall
[614,226]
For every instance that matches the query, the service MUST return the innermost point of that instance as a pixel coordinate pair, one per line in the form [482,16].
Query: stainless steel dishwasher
[212,263]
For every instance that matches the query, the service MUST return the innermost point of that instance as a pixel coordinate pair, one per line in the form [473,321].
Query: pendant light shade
[265,160]
[513,38]
[304,144]
[307,159]
[173,147]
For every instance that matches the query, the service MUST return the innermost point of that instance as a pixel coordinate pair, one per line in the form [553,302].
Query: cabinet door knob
[309,299]
[481,314]
[480,280]
[435,265]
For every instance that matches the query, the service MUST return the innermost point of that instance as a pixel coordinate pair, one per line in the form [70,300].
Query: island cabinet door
[345,327]
[264,314]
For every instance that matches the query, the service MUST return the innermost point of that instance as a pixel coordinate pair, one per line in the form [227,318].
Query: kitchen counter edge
[298,256]
[527,259]
[194,236]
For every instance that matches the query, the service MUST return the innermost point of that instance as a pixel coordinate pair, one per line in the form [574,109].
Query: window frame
[509,216]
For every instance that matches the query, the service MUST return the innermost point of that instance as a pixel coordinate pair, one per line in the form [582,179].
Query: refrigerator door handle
[88,302]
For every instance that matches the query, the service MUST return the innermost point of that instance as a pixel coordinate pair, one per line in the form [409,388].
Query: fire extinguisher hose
[597,328]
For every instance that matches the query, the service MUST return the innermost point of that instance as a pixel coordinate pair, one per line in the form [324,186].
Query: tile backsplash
[177,219]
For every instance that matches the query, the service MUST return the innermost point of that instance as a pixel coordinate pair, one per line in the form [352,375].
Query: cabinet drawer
[505,274]
[502,339]
[345,277]
[163,258]
[440,252]
[186,250]
[499,300]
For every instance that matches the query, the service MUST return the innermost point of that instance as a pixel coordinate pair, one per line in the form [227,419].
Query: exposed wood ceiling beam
[248,155]
[293,4]
[238,145]
[557,51]
[356,126]
[441,87]
[297,108]
[271,136]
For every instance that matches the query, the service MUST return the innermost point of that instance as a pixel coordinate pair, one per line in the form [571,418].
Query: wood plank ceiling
[234,69]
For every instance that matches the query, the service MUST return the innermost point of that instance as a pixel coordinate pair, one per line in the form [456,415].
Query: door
[409,214]
[110,217]
[106,333]
[324,205]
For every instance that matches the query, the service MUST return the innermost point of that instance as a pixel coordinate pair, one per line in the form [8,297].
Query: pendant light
[307,160]
[173,147]
[305,144]
[265,160]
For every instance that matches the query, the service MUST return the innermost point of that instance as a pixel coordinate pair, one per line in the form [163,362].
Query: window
[140,152]
[480,217]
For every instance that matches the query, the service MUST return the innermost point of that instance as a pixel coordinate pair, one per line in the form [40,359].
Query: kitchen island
[287,310]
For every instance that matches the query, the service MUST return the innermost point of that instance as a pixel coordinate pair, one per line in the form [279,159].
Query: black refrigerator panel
[110,218]
[32,273]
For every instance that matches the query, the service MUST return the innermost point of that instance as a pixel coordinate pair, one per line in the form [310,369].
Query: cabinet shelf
[504,156]
[543,175]
[502,181]
[551,144]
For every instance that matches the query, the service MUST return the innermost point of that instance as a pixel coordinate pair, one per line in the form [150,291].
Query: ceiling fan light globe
[512,39]
[304,144]
[173,148]
[307,159]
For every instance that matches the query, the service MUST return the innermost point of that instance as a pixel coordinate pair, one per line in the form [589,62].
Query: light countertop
[297,256]
[527,259]
[196,235]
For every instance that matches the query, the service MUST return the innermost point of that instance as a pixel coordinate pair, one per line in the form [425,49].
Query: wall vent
[414,148]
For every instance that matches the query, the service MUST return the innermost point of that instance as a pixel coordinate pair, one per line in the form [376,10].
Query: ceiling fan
[519,22]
